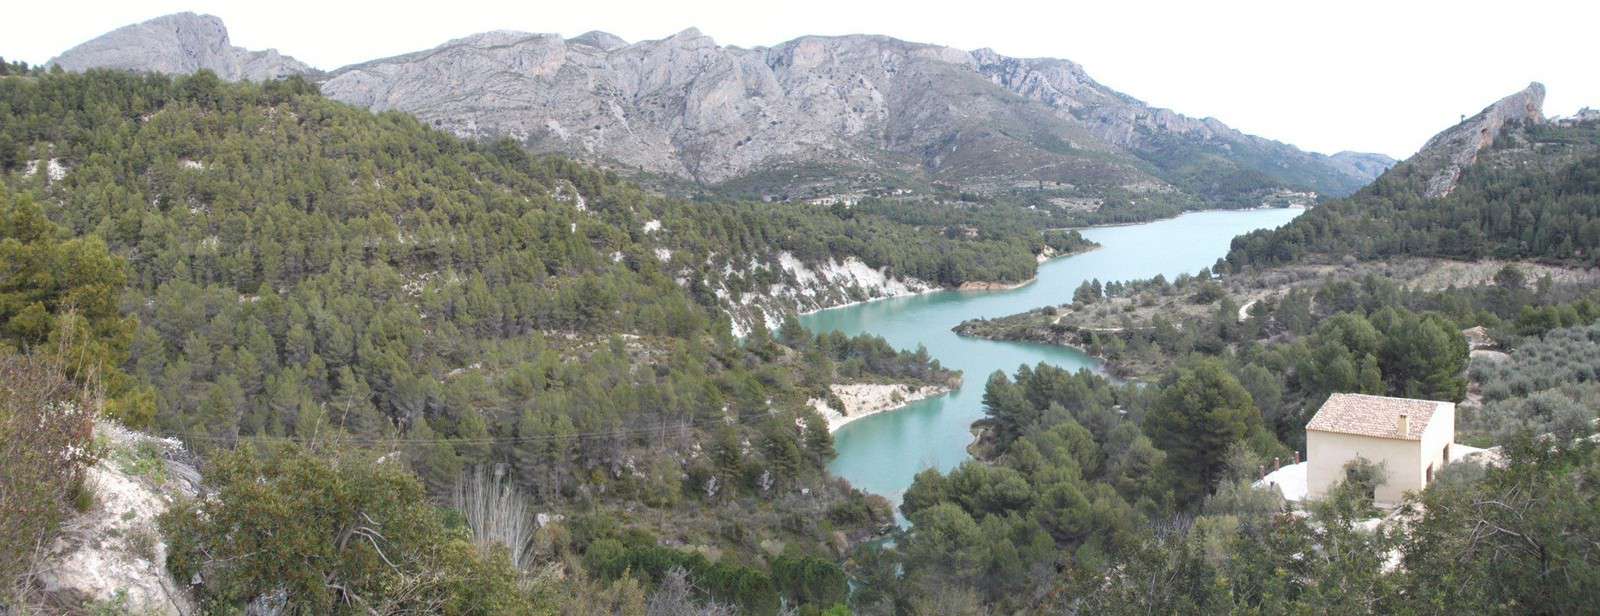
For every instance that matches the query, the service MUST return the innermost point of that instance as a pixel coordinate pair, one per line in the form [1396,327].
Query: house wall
[1405,461]
[1328,452]
[1441,432]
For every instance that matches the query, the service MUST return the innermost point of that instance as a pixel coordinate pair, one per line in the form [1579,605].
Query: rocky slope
[804,287]
[176,44]
[1186,150]
[867,399]
[815,115]
[111,557]
[864,107]
[1506,183]
[1456,148]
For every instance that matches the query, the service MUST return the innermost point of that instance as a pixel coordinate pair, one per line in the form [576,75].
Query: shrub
[46,442]
[750,589]
[338,533]
[497,513]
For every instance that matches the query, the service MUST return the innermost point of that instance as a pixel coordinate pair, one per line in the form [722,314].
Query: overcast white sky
[1379,76]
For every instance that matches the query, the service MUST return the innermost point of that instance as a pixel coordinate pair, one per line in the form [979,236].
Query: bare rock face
[1458,146]
[815,114]
[688,107]
[179,44]
[1583,115]
[605,41]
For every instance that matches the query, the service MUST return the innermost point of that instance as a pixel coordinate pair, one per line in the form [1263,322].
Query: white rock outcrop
[808,287]
[865,399]
[113,554]
[180,43]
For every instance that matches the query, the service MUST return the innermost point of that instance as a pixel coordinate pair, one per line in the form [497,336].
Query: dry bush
[46,442]
[676,596]
[497,512]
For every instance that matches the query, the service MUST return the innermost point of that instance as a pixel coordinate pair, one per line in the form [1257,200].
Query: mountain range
[808,117]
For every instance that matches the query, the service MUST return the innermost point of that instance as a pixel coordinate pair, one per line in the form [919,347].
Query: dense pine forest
[257,269]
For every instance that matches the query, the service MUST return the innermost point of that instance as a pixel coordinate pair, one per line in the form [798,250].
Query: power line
[743,420]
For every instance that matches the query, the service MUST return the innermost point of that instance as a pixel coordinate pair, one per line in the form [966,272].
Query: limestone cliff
[178,44]
[814,115]
[1456,148]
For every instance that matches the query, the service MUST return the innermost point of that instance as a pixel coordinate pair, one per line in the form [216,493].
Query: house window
[1430,475]
[1447,453]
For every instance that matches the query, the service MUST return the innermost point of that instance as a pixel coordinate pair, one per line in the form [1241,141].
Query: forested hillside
[1100,498]
[427,375]
[1090,489]
[210,166]
[1533,194]
[309,286]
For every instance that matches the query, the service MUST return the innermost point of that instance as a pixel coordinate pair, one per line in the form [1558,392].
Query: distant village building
[1412,439]
[830,200]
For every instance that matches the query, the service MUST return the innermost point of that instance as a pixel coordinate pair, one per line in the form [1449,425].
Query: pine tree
[1201,412]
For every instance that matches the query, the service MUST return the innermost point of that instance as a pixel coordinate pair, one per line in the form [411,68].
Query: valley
[546,325]
[881,454]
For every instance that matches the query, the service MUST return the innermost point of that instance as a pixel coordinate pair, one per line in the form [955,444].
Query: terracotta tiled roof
[1373,415]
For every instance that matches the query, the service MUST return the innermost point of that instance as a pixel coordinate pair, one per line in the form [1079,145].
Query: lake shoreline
[973,286]
[883,456]
[1113,225]
[1105,366]
[870,399]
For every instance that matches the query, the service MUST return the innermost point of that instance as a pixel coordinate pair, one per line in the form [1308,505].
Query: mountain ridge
[810,116]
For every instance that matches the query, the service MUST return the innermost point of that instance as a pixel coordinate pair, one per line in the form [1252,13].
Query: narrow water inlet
[884,452]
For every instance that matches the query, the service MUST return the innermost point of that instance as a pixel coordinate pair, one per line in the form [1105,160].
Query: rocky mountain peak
[1458,146]
[605,41]
[848,111]
[178,44]
[689,38]
[492,38]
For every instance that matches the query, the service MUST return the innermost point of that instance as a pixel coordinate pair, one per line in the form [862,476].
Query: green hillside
[299,270]
[1534,194]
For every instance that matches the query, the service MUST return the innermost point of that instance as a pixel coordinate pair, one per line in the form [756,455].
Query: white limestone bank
[113,552]
[864,399]
[802,287]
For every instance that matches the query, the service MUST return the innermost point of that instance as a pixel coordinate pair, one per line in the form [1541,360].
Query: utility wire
[743,420]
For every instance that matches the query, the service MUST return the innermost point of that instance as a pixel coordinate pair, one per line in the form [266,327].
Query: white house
[1412,439]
